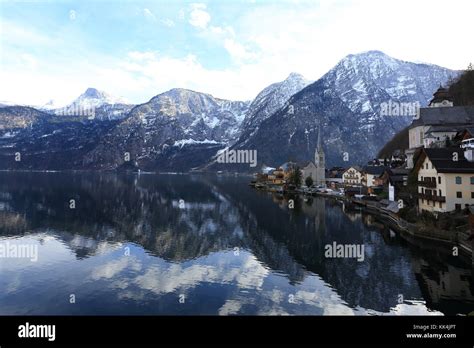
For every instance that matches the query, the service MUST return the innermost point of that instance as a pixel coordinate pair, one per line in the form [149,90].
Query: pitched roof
[442,160]
[374,170]
[305,164]
[435,129]
[359,169]
[453,115]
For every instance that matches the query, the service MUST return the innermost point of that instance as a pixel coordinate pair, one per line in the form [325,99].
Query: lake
[149,244]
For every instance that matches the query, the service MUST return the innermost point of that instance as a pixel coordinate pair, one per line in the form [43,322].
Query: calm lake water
[192,244]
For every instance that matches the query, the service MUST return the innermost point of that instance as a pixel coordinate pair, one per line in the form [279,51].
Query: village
[424,191]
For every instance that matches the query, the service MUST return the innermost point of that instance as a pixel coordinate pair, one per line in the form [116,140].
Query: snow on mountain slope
[346,103]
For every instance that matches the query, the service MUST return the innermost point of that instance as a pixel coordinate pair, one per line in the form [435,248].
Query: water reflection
[134,244]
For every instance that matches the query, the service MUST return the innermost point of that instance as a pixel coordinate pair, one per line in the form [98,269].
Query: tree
[309,181]
[295,177]
[462,88]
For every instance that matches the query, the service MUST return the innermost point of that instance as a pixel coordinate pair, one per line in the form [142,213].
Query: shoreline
[410,231]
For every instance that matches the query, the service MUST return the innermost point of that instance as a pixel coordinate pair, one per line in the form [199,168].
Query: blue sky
[229,48]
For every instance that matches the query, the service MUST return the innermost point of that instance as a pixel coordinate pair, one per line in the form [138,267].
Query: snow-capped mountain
[93,104]
[181,129]
[269,100]
[95,98]
[168,131]
[346,103]
[362,80]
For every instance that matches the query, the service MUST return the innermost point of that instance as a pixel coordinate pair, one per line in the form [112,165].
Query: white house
[352,176]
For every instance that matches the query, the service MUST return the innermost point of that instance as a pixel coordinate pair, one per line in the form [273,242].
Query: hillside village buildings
[444,170]
[316,169]
[437,123]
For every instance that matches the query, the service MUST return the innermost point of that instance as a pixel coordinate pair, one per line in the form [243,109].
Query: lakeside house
[353,176]
[396,177]
[445,179]
[371,174]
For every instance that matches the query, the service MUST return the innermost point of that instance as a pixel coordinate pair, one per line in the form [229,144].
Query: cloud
[149,15]
[229,56]
[238,51]
[198,16]
[168,22]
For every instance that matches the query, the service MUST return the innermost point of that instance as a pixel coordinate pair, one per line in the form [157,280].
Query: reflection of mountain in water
[223,213]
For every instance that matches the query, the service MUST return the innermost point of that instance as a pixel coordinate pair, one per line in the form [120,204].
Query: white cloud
[149,15]
[238,51]
[198,16]
[168,22]
[265,42]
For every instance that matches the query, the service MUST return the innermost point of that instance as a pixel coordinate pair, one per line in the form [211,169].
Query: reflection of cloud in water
[113,268]
[169,278]
[313,296]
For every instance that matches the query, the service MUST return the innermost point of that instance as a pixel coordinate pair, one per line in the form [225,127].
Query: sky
[55,50]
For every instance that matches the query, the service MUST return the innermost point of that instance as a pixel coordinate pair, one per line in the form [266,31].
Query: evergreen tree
[295,177]
[462,88]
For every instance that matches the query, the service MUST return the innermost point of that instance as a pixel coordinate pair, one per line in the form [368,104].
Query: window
[421,179]
[458,194]
[472,195]
[457,207]
[440,204]
[472,180]
[439,180]
[458,180]
[440,193]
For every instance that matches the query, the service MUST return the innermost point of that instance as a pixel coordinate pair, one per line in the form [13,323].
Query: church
[316,169]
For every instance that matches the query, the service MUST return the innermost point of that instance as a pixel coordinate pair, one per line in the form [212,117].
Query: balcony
[433,198]
[429,184]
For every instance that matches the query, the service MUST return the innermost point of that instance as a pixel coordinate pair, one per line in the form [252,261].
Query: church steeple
[319,152]
[318,146]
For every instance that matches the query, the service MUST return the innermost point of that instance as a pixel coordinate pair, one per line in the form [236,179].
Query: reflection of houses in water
[316,208]
[351,211]
[449,289]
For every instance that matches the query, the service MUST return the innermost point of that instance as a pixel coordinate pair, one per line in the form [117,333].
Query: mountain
[346,103]
[269,100]
[15,118]
[46,141]
[175,130]
[180,130]
[93,104]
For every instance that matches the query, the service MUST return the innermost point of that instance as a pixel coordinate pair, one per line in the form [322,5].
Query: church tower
[319,161]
